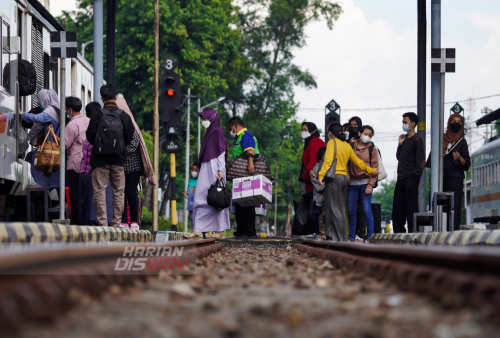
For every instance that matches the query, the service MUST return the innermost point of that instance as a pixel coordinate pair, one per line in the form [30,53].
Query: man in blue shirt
[246,142]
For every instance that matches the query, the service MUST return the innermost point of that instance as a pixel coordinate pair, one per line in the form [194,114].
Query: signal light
[170,92]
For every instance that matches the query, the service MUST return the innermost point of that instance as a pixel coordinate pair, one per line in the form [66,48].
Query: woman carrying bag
[334,173]
[456,163]
[49,102]
[212,161]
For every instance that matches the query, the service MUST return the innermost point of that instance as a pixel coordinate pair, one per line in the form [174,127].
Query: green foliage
[163,224]
[384,196]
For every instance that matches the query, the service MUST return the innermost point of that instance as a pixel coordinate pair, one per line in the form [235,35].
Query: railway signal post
[63,45]
[170,87]
[331,115]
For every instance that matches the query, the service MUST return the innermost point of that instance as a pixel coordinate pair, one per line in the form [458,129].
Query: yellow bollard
[388,228]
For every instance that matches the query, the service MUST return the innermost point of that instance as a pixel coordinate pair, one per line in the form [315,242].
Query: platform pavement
[460,238]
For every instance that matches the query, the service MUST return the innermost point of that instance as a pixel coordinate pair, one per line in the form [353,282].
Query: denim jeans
[356,194]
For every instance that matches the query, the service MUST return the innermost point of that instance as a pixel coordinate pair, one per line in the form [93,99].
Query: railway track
[244,290]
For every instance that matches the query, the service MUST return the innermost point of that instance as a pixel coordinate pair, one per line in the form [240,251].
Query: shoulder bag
[47,158]
[238,167]
[219,197]
[330,174]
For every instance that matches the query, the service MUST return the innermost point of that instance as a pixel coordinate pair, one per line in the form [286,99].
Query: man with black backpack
[110,131]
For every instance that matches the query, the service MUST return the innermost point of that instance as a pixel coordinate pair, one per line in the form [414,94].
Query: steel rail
[467,259]
[453,276]
[37,284]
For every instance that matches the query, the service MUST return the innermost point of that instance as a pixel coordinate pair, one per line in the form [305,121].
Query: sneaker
[123,226]
[134,226]
[367,242]
[359,239]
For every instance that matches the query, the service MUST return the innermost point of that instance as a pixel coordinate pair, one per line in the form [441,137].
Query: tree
[385,196]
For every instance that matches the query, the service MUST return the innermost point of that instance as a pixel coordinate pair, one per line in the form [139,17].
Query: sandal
[193,235]
[217,235]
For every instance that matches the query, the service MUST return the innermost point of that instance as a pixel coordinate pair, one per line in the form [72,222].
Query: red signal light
[170,92]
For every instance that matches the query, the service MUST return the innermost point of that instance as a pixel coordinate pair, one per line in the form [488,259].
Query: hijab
[214,142]
[148,171]
[313,130]
[46,98]
[450,136]
[360,124]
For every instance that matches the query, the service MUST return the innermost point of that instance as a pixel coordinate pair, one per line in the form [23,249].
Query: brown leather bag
[47,158]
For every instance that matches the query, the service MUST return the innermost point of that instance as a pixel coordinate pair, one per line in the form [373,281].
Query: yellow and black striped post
[172,187]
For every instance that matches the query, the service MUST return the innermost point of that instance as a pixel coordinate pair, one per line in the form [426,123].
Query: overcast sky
[369,60]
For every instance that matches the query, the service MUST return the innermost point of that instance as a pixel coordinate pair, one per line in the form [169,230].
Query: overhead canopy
[486,119]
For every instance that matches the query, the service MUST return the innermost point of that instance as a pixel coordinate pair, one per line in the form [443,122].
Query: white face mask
[305,134]
[205,124]
[365,139]
[346,133]
[232,133]
[194,174]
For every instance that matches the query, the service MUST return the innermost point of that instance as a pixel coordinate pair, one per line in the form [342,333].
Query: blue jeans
[356,194]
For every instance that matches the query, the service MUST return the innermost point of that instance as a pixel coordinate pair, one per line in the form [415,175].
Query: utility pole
[188,132]
[436,118]
[111,42]
[98,48]
[156,116]
[421,93]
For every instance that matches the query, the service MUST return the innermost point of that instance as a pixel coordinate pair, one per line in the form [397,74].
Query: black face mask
[456,127]
[353,130]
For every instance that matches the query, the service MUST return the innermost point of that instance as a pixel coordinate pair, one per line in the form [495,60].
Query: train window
[5,56]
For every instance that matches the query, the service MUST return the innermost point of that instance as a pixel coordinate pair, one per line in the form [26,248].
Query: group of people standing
[210,168]
[343,171]
[356,159]
[86,162]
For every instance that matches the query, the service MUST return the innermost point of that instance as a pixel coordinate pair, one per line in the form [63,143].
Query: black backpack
[109,138]
[26,78]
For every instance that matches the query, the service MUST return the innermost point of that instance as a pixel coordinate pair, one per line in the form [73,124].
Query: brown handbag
[47,158]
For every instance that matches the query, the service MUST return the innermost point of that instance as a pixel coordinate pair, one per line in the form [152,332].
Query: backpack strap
[370,151]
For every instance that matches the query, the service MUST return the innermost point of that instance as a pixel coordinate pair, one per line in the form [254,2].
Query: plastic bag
[303,223]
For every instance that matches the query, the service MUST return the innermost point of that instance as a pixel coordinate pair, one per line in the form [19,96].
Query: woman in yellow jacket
[336,189]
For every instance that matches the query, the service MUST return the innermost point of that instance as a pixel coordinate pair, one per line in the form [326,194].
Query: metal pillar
[199,131]
[188,132]
[62,135]
[98,49]
[172,187]
[111,42]
[156,117]
[421,92]
[436,146]
[276,201]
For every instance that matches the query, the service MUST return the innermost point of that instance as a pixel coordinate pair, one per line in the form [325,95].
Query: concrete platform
[460,238]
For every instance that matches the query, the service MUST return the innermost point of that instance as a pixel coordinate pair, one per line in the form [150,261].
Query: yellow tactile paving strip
[463,237]
[48,232]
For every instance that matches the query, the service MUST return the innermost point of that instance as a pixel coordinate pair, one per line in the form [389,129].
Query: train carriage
[485,199]
[25,32]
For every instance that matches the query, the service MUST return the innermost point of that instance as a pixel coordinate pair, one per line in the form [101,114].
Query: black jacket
[97,160]
[452,167]
[411,157]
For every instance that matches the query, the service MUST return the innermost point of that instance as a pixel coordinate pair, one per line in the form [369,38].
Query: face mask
[305,134]
[406,127]
[194,174]
[346,133]
[205,124]
[41,106]
[69,117]
[365,139]
[353,130]
[456,127]
[233,134]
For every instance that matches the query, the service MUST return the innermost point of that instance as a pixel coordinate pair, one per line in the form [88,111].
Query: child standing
[318,197]
[189,194]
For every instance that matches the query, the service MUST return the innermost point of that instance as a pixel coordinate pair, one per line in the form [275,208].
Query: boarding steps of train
[422,220]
